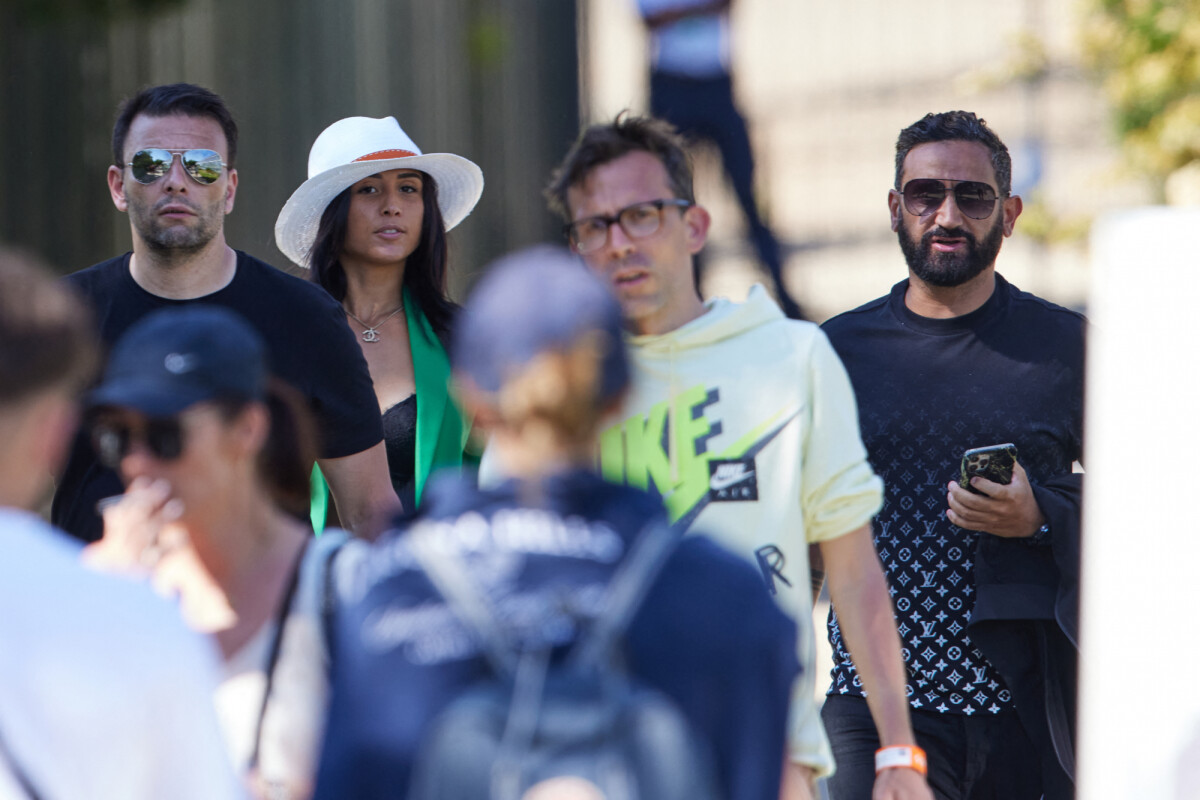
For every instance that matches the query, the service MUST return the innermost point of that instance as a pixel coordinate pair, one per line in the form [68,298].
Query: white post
[1139,720]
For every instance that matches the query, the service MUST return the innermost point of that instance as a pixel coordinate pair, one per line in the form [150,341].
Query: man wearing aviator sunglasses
[956,358]
[174,150]
[202,166]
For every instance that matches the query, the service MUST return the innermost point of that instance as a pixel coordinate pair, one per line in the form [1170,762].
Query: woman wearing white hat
[370,222]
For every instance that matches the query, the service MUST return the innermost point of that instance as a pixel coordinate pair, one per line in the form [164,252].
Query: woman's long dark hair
[424,272]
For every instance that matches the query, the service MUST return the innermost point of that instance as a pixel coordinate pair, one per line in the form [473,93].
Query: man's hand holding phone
[1006,510]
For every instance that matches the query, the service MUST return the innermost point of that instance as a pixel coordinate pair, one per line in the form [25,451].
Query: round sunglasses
[113,439]
[203,166]
[924,196]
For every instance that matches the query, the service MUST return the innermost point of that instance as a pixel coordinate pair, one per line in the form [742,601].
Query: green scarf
[441,427]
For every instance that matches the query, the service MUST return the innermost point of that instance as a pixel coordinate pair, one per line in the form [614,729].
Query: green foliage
[1148,54]
[1040,223]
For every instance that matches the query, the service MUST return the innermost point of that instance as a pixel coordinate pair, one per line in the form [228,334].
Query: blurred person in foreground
[984,580]
[691,86]
[741,420]
[216,459]
[103,692]
[370,225]
[173,173]
[539,376]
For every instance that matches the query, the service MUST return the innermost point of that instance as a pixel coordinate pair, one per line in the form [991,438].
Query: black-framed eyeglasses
[924,196]
[638,221]
[204,166]
[113,439]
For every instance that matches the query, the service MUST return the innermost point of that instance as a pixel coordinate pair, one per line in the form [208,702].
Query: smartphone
[994,462]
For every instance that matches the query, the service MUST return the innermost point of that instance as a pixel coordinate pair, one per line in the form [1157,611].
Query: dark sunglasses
[204,166]
[923,196]
[638,221]
[113,439]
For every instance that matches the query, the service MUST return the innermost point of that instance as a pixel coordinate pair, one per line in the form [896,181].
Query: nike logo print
[727,475]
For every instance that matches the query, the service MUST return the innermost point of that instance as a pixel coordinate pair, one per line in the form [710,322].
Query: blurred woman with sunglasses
[370,222]
[216,460]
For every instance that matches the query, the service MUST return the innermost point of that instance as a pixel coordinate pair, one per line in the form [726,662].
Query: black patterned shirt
[927,390]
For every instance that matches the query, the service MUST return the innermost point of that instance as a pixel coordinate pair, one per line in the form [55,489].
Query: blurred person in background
[538,360]
[174,150]
[216,459]
[370,224]
[984,579]
[741,420]
[691,86]
[103,692]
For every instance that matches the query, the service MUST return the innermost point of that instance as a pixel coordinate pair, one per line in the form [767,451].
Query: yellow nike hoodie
[745,423]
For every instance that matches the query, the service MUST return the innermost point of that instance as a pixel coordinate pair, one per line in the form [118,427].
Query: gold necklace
[371,334]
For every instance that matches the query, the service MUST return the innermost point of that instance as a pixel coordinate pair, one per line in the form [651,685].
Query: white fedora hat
[350,150]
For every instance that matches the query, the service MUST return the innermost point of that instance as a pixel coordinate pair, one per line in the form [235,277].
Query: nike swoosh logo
[685,521]
[720,482]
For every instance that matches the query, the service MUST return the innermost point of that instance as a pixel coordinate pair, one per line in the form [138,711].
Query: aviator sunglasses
[113,439]
[924,196]
[204,166]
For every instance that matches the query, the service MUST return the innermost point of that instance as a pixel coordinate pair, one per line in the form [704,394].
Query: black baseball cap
[177,357]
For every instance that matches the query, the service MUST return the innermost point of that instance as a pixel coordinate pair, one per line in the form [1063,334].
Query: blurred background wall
[1099,101]
[492,80]
[826,87]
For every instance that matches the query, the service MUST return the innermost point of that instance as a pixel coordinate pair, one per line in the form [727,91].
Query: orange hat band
[380,155]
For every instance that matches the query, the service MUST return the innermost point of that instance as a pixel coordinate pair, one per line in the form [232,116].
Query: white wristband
[900,757]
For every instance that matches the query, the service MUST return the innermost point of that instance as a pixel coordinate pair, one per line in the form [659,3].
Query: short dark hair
[956,126]
[185,99]
[46,335]
[425,272]
[605,142]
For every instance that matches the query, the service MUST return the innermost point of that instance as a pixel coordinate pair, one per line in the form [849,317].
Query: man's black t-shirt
[308,343]
[927,390]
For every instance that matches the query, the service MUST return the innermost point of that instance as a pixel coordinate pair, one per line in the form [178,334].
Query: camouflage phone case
[995,463]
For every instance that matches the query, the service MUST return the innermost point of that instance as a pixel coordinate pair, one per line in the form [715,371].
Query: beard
[176,238]
[951,269]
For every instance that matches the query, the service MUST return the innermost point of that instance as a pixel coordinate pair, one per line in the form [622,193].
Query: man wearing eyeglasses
[174,150]
[742,421]
[984,579]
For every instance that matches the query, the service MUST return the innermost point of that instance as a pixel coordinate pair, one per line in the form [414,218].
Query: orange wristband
[901,757]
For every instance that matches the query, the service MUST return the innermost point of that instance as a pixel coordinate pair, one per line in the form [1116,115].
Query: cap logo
[179,363]
[379,155]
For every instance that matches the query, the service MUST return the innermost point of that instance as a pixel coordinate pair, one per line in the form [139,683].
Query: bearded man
[983,579]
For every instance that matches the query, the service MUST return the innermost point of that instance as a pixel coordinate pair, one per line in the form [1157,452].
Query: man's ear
[894,209]
[231,190]
[1012,209]
[696,221]
[116,187]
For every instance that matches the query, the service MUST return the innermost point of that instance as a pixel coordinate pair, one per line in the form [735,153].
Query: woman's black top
[400,440]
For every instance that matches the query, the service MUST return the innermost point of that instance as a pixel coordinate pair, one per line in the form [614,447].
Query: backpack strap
[449,576]
[329,599]
[626,590]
